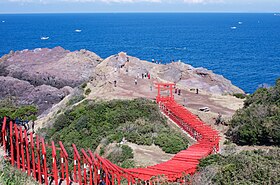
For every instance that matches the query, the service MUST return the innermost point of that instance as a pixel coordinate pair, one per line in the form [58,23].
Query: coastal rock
[127,71]
[45,76]
[44,96]
[56,67]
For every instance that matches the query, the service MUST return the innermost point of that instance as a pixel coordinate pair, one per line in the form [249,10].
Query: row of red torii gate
[52,164]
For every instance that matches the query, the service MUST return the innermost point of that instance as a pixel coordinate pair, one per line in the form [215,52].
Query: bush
[88,91]
[84,85]
[247,167]
[258,123]
[171,143]
[122,155]
[10,175]
[139,121]
[240,95]
[23,112]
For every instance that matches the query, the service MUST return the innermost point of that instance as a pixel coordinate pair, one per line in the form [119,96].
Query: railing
[52,163]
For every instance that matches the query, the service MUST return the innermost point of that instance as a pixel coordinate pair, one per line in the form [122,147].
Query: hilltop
[46,76]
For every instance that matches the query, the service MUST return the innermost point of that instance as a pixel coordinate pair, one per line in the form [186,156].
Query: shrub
[171,143]
[258,123]
[88,91]
[84,85]
[10,175]
[138,121]
[240,95]
[247,167]
[23,112]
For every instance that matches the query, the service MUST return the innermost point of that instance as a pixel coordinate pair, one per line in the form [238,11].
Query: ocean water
[244,48]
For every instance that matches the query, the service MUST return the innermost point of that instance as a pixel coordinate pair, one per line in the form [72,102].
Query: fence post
[12,144]
[55,172]
[62,165]
[119,179]
[94,167]
[33,155]
[87,161]
[4,137]
[39,159]
[17,146]
[65,155]
[45,161]
[107,177]
[22,150]
[27,152]
[113,178]
[78,158]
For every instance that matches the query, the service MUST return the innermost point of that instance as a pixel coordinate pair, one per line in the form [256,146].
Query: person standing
[115,83]
[135,81]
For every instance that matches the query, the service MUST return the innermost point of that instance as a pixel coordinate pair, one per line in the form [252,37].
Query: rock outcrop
[184,75]
[45,76]
[44,96]
[56,67]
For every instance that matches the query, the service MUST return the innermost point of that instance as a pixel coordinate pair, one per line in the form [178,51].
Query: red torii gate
[165,86]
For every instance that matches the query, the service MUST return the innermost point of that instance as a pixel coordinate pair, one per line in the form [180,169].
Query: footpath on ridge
[29,154]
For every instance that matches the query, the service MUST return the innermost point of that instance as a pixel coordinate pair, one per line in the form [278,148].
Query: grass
[138,121]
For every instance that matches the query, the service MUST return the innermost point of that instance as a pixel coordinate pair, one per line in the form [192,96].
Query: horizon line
[155,12]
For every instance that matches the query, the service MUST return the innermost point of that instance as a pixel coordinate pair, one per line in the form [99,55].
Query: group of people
[144,76]
[178,91]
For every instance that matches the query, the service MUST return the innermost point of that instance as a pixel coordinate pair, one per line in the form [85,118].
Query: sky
[97,6]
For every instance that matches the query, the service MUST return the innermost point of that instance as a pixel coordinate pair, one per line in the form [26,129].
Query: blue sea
[244,48]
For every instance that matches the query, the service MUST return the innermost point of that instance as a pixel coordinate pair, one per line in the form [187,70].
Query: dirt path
[148,155]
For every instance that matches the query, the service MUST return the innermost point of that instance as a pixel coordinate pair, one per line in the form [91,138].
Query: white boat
[3,21]
[78,31]
[45,38]
[240,22]
[233,27]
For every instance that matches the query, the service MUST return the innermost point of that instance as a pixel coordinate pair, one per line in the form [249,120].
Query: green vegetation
[258,123]
[84,85]
[240,95]
[12,176]
[8,107]
[122,155]
[88,91]
[247,167]
[138,121]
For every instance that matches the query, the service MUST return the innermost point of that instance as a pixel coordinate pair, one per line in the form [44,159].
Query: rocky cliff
[45,76]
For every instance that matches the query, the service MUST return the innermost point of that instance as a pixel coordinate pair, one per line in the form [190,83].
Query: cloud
[130,1]
[202,1]
[112,1]
[118,1]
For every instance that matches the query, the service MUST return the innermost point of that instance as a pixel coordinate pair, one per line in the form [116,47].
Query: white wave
[45,38]
[183,48]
